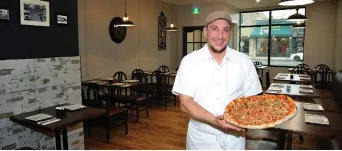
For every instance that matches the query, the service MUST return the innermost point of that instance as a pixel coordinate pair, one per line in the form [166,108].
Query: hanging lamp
[125,21]
[297,17]
[295,2]
[172,26]
[299,25]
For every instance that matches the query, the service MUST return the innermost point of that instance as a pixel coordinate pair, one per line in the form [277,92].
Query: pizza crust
[292,113]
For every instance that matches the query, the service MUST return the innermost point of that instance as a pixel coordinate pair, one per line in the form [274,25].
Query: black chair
[323,78]
[260,72]
[98,97]
[257,63]
[320,66]
[137,100]
[268,80]
[121,76]
[301,69]
[136,71]
[164,69]
[164,91]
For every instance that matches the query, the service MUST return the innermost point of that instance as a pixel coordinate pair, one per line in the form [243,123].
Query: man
[207,80]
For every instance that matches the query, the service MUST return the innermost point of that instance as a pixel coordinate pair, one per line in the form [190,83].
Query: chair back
[164,69]
[257,63]
[143,82]
[121,76]
[323,78]
[268,80]
[93,98]
[320,66]
[337,86]
[136,71]
[301,69]
[155,76]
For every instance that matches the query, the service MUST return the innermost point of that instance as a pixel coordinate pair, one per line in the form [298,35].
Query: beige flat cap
[218,15]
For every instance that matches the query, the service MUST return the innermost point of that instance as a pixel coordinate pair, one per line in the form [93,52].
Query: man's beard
[216,50]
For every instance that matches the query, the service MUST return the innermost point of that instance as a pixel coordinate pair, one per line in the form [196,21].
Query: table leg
[289,141]
[281,144]
[58,140]
[65,139]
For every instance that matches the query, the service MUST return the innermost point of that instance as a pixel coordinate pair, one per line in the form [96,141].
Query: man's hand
[221,124]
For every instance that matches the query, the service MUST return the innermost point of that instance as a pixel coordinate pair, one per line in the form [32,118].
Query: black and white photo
[4,14]
[34,12]
[62,19]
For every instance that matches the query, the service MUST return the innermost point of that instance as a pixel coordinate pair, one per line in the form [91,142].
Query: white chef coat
[213,86]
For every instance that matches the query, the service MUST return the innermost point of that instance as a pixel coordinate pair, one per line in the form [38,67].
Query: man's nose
[221,34]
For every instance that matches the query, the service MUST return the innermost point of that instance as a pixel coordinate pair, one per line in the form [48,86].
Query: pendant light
[172,26]
[299,25]
[294,2]
[126,22]
[297,17]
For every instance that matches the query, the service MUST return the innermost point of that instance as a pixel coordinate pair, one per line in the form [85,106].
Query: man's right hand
[220,123]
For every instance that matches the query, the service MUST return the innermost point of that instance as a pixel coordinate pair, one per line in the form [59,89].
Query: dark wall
[24,41]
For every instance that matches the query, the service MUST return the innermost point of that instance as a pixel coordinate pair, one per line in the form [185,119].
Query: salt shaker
[288,88]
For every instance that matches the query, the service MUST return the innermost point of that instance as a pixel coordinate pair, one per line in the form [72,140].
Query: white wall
[101,57]
[338,43]
[320,34]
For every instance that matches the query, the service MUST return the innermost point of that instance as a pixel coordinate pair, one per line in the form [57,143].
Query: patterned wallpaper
[29,84]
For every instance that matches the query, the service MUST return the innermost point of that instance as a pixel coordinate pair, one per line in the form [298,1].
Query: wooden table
[296,77]
[261,67]
[328,104]
[298,125]
[71,118]
[281,88]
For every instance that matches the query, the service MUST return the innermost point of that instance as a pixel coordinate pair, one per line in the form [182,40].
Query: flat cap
[218,15]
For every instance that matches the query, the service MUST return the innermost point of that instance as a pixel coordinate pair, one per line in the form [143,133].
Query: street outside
[277,61]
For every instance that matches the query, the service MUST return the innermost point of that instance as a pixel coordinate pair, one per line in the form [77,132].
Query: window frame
[269,25]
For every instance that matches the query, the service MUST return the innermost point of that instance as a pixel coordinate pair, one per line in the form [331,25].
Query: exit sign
[196,9]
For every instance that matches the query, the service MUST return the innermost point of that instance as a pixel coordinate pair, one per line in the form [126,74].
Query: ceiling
[240,4]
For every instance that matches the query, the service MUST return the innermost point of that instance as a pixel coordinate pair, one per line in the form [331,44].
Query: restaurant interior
[98,74]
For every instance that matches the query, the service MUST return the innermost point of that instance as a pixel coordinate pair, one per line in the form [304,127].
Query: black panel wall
[23,41]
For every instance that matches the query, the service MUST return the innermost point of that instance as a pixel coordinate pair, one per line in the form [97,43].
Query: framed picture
[161,32]
[62,19]
[34,13]
[4,14]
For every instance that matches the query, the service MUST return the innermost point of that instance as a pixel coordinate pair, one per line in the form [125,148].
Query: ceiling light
[294,2]
[172,26]
[297,17]
[126,22]
[299,26]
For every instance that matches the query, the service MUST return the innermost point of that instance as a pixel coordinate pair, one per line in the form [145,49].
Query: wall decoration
[117,33]
[62,19]
[34,13]
[4,14]
[162,32]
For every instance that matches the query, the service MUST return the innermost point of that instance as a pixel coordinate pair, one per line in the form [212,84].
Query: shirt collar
[207,54]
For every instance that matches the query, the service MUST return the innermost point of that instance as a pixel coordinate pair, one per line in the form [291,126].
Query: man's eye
[227,30]
[213,29]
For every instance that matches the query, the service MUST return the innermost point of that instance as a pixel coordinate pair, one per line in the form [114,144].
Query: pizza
[260,111]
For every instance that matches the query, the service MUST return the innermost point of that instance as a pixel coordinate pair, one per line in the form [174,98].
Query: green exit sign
[196,9]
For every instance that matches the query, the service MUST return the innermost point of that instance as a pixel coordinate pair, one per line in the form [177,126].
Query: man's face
[217,34]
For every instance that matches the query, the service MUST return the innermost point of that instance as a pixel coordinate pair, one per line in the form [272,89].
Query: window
[272,40]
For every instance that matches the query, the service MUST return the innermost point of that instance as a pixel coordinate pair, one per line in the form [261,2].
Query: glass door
[193,39]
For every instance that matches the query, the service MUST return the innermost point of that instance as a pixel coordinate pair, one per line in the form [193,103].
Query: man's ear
[205,31]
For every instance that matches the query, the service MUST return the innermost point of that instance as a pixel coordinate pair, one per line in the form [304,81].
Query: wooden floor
[161,130]
[165,130]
